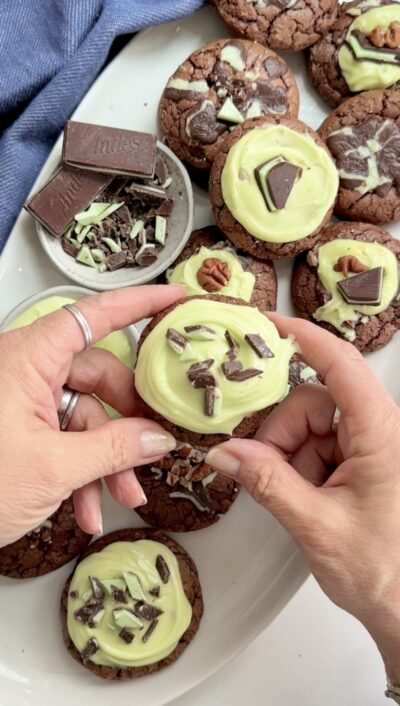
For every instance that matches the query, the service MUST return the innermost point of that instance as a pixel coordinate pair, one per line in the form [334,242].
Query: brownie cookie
[359,53]
[199,366]
[363,136]
[46,548]
[273,186]
[349,284]
[283,25]
[218,87]
[210,264]
[132,605]
[183,492]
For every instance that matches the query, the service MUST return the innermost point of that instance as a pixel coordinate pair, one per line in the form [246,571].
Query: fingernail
[99,530]
[143,499]
[223,461]
[154,443]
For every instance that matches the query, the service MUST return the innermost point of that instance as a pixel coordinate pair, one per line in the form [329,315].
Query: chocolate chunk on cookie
[244,276]
[273,186]
[363,136]
[149,609]
[348,283]
[184,493]
[360,52]
[218,87]
[46,548]
[283,25]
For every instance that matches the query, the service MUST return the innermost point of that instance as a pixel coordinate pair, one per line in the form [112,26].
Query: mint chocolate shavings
[212,401]
[258,345]
[230,367]
[97,588]
[162,568]
[126,635]
[200,333]
[246,374]
[145,611]
[150,630]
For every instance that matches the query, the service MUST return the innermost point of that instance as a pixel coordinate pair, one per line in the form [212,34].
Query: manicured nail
[223,461]
[99,523]
[154,443]
[143,499]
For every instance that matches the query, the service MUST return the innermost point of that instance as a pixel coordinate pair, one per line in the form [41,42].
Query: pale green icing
[311,197]
[364,75]
[336,311]
[361,6]
[160,375]
[233,56]
[140,558]
[240,285]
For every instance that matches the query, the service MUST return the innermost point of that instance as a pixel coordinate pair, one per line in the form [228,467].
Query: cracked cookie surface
[283,25]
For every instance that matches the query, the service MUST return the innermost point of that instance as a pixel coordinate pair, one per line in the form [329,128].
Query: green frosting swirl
[160,375]
[362,74]
[139,558]
[336,311]
[240,285]
[311,197]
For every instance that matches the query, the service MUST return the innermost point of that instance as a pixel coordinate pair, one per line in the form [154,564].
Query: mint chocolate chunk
[162,568]
[92,646]
[155,591]
[150,630]
[258,345]
[280,181]
[200,333]
[116,261]
[146,256]
[134,585]
[233,351]
[124,618]
[97,589]
[363,289]
[126,635]
[212,401]
[176,341]
[145,611]
[202,379]
[230,367]
[89,610]
[246,374]
[201,367]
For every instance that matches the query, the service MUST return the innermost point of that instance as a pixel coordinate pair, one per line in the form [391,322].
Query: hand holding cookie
[336,491]
[41,466]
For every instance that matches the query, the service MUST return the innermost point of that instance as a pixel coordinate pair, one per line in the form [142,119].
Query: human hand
[41,466]
[337,492]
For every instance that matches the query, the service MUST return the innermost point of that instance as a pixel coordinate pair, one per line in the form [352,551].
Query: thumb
[112,447]
[273,483]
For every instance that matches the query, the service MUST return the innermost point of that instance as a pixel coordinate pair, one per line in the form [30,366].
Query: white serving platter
[248,565]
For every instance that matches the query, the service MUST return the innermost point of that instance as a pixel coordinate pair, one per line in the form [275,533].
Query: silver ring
[82,323]
[69,400]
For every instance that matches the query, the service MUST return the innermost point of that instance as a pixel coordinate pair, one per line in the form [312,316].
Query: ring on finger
[69,400]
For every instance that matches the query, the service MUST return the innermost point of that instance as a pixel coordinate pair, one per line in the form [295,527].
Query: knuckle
[120,449]
[262,483]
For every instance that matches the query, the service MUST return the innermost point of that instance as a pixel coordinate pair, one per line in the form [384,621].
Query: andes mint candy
[363,289]
[162,568]
[258,345]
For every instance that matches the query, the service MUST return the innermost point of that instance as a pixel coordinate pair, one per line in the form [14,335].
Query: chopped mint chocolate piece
[231,366]
[201,367]
[222,92]
[145,611]
[202,379]
[166,183]
[363,289]
[74,595]
[84,256]
[161,230]
[116,589]
[124,618]
[89,216]
[96,620]
[92,646]
[281,179]
[209,479]
[70,247]
[258,345]
[188,353]
[246,374]
[116,261]
[254,110]
[180,84]
[102,267]
[98,255]
[126,635]
[162,568]
[233,55]
[200,333]
[134,586]
[89,610]
[229,113]
[176,341]
[147,255]
[137,227]
[155,591]
[112,244]
[233,351]
[83,233]
[149,630]
[97,588]
[212,401]
[87,595]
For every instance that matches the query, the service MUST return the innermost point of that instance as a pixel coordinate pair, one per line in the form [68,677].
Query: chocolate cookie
[199,367]
[349,284]
[273,186]
[284,25]
[359,53]
[183,492]
[218,87]
[363,136]
[53,544]
[210,264]
[123,613]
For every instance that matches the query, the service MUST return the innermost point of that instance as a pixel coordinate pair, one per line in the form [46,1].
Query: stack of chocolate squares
[108,201]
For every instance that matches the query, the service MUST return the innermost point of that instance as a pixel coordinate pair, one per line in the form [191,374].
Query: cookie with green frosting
[211,264]
[273,186]
[218,87]
[183,492]
[211,367]
[360,52]
[132,604]
[363,136]
[349,284]
[54,543]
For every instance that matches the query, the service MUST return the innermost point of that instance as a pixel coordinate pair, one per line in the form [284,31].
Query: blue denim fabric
[50,53]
